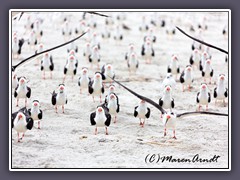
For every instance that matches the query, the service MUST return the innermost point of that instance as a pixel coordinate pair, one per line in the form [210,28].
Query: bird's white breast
[20,126]
[61,98]
[22,91]
[142,110]
[100,119]
[84,80]
[203,97]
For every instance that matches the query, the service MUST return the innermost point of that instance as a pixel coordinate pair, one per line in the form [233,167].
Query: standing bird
[113,105]
[87,51]
[94,41]
[142,112]
[195,44]
[32,41]
[17,47]
[204,57]
[169,122]
[108,73]
[144,26]
[39,50]
[202,23]
[22,90]
[166,101]
[96,87]
[66,31]
[92,22]
[150,36]
[94,58]
[21,122]
[169,80]
[72,46]
[111,90]
[28,25]
[71,67]
[220,92]
[38,30]
[106,33]
[203,96]
[109,21]
[131,50]
[147,51]
[14,80]
[47,64]
[195,58]
[207,71]
[60,98]
[132,63]
[81,27]
[173,67]
[84,80]
[35,112]
[100,118]
[118,36]
[170,29]
[186,77]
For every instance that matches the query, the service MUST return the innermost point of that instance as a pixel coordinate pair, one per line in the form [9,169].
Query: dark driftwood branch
[202,112]
[207,44]
[142,97]
[61,45]
[99,14]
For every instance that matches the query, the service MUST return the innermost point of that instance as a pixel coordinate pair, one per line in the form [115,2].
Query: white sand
[60,142]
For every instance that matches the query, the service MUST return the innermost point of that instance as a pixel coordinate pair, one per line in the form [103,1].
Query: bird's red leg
[38,124]
[189,88]
[143,123]
[106,131]
[206,107]
[43,74]
[96,131]
[174,134]
[140,122]
[18,137]
[115,119]
[17,102]
[56,109]
[22,136]
[183,88]
[224,103]
[210,81]
[165,131]
[199,107]
[63,108]
[64,77]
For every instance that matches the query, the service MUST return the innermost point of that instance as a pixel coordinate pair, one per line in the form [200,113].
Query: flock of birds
[200,60]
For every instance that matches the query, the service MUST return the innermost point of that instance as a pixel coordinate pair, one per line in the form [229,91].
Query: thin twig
[207,44]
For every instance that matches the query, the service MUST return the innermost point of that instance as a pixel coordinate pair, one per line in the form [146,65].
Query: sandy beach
[68,141]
